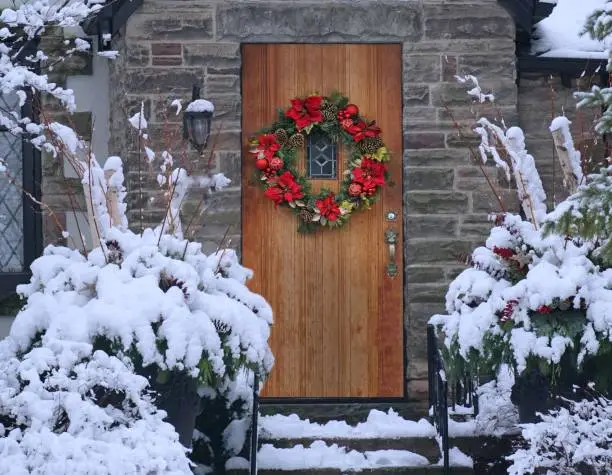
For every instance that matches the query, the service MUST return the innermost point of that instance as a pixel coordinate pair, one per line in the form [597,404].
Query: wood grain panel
[338,328]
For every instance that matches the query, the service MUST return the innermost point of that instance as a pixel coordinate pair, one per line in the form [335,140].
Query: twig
[475,158]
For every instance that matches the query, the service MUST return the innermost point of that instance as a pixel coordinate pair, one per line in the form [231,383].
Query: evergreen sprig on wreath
[275,151]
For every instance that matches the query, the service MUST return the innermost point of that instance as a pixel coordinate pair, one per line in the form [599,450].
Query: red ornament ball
[261,163]
[351,110]
[276,163]
[354,189]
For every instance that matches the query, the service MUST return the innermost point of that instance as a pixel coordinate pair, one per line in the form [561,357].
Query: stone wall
[169,45]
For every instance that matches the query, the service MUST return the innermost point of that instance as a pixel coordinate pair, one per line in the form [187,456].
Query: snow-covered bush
[571,440]
[64,407]
[137,302]
[529,301]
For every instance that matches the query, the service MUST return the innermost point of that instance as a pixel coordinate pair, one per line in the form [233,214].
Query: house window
[11,201]
[20,220]
[322,156]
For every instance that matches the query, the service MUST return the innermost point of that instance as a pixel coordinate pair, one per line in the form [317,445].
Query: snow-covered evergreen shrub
[571,440]
[529,301]
[140,301]
[66,408]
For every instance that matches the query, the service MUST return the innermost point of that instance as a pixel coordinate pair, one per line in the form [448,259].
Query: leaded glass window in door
[11,197]
[322,157]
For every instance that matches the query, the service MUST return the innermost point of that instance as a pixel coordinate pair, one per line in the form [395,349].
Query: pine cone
[306,215]
[297,141]
[370,145]
[282,136]
[329,112]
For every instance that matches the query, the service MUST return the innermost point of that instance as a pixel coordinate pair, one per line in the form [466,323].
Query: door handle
[391,240]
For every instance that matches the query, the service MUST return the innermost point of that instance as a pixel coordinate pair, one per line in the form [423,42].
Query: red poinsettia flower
[306,112]
[370,174]
[328,207]
[284,188]
[362,130]
[268,145]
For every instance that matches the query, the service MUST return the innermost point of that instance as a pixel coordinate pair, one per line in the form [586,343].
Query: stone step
[427,447]
[429,470]
[351,413]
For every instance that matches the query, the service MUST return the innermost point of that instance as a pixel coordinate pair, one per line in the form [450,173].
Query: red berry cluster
[347,113]
[544,309]
[503,252]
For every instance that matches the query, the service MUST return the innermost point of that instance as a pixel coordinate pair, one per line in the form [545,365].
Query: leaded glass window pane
[322,156]
[11,198]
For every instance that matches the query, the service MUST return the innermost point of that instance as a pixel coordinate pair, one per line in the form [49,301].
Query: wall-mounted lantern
[197,120]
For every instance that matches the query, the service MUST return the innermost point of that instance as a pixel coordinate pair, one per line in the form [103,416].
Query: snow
[578,434]
[562,123]
[558,36]
[177,103]
[497,415]
[458,458]
[138,120]
[36,389]
[378,424]
[476,92]
[528,183]
[321,455]
[66,136]
[200,105]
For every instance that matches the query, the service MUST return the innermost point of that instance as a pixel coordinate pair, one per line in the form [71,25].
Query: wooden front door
[338,329]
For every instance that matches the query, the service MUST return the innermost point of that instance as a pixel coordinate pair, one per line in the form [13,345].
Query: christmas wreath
[275,151]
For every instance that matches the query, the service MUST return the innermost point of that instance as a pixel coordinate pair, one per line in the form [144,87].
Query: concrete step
[427,447]
[428,470]
[352,413]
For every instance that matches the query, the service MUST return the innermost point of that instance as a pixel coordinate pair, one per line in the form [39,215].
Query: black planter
[177,394]
[530,394]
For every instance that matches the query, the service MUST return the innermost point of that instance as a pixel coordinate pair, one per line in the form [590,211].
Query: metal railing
[438,394]
[254,428]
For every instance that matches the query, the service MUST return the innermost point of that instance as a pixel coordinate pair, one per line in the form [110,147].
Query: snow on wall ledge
[558,36]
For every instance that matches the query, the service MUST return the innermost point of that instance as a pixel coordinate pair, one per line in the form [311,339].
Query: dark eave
[522,12]
[575,67]
[111,17]
[567,68]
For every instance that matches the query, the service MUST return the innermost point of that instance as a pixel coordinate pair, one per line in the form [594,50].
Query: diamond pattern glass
[11,198]
[322,156]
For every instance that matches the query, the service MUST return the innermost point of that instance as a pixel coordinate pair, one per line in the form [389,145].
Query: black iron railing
[254,428]
[438,394]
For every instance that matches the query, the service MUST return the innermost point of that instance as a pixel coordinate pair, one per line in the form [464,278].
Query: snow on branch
[22,64]
[569,157]
[528,183]
[568,439]
[494,140]
[476,91]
